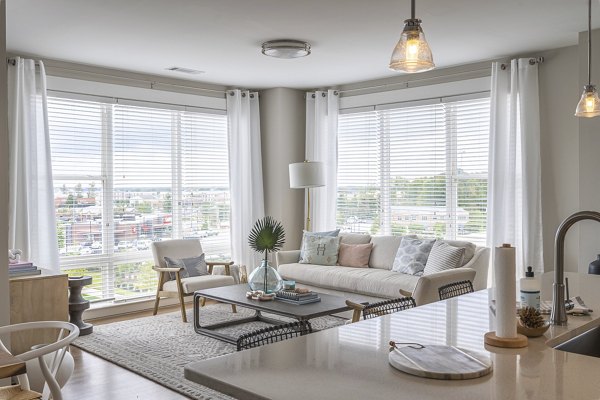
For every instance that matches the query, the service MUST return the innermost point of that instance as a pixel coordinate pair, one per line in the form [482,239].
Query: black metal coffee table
[236,294]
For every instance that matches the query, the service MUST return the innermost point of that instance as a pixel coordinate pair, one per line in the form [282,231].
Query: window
[126,176]
[419,169]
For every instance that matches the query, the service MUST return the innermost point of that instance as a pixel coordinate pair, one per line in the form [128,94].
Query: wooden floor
[95,378]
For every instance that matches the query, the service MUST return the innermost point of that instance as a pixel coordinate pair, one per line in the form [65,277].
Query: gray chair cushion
[176,248]
[192,266]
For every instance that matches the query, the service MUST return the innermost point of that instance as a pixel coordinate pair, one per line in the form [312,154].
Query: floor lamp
[306,175]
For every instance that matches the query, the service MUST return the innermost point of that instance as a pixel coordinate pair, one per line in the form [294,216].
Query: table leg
[209,330]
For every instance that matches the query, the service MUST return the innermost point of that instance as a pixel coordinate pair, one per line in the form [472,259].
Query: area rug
[159,347]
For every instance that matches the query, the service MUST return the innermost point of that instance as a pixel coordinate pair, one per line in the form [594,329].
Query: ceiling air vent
[185,70]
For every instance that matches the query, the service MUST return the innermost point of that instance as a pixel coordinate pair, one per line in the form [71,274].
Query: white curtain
[245,173]
[514,186]
[32,223]
[322,109]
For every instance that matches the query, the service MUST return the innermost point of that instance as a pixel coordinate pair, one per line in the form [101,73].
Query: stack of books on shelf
[296,296]
[22,268]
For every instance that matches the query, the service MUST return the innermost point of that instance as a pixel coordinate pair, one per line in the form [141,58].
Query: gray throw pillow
[306,234]
[412,255]
[443,257]
[321,250]
[193,266]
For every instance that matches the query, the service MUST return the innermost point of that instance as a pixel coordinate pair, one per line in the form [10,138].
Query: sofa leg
[202,301]
[233,308]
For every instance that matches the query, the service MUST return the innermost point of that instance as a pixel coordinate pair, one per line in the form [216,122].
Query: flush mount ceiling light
[412,53]
[286,48]
[589,104]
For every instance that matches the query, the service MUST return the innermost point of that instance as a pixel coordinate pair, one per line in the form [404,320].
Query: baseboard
[130,307]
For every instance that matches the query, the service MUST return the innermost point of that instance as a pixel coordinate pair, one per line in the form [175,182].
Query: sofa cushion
[412,255]
[320,250]
[367,281]
[443,257]
[384,251]
[469,247]
[355,255]
[190,285]
[355,238]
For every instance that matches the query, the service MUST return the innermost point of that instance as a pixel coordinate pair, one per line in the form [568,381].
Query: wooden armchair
[182,287]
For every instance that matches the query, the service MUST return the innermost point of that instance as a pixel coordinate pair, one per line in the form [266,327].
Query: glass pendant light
[589,104]
[412,53]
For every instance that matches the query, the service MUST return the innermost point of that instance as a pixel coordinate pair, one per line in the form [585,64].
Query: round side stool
[77,304]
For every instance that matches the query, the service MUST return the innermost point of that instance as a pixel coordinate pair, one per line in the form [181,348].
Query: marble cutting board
[440,362]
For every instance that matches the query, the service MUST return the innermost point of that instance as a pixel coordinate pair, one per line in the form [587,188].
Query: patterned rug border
[160,365]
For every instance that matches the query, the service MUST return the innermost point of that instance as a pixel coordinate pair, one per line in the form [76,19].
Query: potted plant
[267,236]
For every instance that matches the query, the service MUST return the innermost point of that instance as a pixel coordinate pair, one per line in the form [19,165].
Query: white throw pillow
[412,255]
[322,250]
[443,257]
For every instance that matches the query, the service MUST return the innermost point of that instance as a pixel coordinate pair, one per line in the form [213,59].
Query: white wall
[282,123]
[4,293]
[589,156]
[559,89]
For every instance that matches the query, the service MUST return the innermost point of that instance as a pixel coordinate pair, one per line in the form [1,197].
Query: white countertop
[351,361]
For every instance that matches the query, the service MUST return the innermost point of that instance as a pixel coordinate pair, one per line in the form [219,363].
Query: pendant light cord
[412,8]
[589,42]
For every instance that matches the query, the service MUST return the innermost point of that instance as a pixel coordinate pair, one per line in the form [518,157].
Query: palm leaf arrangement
[266,236]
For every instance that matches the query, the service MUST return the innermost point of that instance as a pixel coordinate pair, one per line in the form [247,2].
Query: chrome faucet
[559,310]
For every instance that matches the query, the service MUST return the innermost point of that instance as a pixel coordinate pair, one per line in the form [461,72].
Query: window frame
[108,259]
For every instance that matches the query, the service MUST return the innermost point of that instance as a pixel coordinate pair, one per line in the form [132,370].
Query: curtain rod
[407,83]
[152,83]
[12,61]
[532,61]
[116,99]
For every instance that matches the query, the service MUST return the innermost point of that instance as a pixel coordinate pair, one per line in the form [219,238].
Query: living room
[156,131]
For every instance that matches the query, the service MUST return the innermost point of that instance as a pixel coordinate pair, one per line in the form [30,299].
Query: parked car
[143,244]
[124,245]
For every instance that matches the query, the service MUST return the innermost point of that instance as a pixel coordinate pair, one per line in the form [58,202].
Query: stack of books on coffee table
[22,268]
[297,297]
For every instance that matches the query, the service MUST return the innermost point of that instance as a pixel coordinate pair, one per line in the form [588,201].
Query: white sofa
[378,281]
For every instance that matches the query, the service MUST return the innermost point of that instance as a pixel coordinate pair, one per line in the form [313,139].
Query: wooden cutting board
[440,362]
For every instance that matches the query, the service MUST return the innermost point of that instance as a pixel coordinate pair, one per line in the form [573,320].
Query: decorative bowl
[532,332]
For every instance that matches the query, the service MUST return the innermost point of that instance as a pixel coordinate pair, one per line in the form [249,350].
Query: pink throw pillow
[355,255]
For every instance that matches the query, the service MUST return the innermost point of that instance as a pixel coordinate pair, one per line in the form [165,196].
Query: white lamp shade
[306,175]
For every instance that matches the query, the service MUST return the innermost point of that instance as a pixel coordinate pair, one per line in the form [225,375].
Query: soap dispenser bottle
[529,289]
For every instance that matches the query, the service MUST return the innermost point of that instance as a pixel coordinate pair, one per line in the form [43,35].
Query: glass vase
[265,278]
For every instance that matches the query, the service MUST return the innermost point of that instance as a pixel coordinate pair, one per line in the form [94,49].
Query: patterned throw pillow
[412,255]
[307,234]
[322,250]
[193,266]
[443,257]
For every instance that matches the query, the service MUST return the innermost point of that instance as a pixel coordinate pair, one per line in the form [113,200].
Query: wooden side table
[77,304]
[37,298]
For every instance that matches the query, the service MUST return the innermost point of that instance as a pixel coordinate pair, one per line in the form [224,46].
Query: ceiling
[352,40]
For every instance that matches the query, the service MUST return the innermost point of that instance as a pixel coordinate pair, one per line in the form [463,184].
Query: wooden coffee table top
[236,294]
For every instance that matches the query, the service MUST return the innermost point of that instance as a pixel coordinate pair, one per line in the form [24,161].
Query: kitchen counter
[351,361]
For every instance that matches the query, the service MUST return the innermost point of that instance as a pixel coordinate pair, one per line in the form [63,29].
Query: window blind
[126,176]
[416,169]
